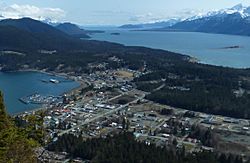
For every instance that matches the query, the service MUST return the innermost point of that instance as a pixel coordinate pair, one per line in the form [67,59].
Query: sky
[111,12]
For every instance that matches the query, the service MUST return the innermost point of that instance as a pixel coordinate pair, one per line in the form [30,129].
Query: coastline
[64,75]
[28,111]
[61,75]
[194,60]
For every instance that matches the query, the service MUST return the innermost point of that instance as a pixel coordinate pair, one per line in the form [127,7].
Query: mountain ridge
[159,24]
[73,30]
[234,21]
[29,35]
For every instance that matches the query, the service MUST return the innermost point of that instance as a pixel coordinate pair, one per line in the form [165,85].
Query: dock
[39,99]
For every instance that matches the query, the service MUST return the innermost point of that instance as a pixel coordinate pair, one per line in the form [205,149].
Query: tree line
[123,148]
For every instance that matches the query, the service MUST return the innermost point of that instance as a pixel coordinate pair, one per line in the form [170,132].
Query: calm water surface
[19,84]
[208,48]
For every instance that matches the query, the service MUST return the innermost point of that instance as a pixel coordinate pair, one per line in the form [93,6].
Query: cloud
[157,17]
[16,11]
[128,16]
[186,13]
[142,17]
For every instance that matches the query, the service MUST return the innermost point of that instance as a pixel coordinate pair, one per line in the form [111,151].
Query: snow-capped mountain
[49,21]
[240,9]
[158,24]
[235,20]
[41,19]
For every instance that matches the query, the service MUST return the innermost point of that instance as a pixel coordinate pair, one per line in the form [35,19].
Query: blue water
[19,84]
[208,48]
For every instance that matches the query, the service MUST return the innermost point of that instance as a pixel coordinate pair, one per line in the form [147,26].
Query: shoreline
[28,111]
[62,75]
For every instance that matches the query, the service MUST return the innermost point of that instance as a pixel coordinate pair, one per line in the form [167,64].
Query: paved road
[159,125]
[159,88]
[65,161]
[100,116]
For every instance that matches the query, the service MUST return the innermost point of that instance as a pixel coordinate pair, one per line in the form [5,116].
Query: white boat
[54,81]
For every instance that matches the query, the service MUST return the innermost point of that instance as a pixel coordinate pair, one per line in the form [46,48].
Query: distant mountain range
[30,35]
[75,31]
[235,21]
[27,34]
[159,24]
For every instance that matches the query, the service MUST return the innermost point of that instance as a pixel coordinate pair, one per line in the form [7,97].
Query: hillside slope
[228,24]
[14,145]
[27,34]
[73,30]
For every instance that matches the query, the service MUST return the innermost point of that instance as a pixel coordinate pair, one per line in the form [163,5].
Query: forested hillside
[188,85]
[15,146]
[199,87]
[124,148]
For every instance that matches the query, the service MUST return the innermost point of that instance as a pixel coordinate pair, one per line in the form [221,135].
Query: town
[108,102]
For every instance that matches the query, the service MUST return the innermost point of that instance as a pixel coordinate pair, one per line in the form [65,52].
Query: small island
[115,33]
[232,47]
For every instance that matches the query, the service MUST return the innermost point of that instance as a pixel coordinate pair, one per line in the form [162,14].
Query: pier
[37,98]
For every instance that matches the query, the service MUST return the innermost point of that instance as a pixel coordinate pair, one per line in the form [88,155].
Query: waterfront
[16,85]
[207,48]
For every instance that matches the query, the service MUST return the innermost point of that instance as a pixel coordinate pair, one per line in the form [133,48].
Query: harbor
[18,86]
[37,98]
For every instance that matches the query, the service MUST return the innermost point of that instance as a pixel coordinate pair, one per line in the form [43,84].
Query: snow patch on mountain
[240,9]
